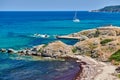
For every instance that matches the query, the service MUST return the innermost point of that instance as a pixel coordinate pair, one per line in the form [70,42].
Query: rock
[3,50]
[37,48]
[117,69]
[22,52]
[75,35]
[95,53]
[56,49]
[86,46]
[11,51]
[82,38]
[83,49]
[91,35]
[38,54]
[96,42]
[107,32]
[30,52]
[34,53]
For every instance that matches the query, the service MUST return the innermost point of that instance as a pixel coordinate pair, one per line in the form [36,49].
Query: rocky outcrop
[101,31]
[11,51]
[98,43]
[29,52]
[37,48]
[56,49]
[88,47]
[94,47]
[3,50]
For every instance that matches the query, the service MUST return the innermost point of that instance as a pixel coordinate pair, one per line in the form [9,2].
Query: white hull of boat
[76,20]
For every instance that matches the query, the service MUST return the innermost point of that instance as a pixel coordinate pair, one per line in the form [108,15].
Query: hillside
[109,9]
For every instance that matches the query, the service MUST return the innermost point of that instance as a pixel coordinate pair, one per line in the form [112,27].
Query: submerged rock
[22,52]
[11,51]
[3,50]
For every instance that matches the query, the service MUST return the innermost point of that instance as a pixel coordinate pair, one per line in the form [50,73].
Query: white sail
[75,19]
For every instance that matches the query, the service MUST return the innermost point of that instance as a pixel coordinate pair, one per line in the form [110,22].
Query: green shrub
[40,50]
[118,75]
[74,50]
[92,46]
[45,45]
[116,63]
[105,41]
[88,54]
[97,33]
[115,56]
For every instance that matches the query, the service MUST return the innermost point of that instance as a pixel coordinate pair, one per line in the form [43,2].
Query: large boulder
[11,51]
[56,49]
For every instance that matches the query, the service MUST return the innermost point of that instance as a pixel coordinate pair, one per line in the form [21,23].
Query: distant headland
[115,8]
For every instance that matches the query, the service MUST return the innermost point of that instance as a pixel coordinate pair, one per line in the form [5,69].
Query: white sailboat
[75,19]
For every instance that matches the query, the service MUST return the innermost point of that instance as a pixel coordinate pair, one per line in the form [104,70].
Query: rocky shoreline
[92,52]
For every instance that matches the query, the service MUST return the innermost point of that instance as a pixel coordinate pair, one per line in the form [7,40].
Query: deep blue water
[16,29]
[13,67]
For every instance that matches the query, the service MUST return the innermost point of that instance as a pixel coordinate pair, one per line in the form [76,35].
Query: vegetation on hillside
[105,41]
[115,56]
[74,50]
[109,9]
[97,33]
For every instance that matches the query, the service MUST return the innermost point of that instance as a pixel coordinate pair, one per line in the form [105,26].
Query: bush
[92,46]
[97,33]
[115,56]
[105,41]
[45,45]
[118,75]
[40,50]
[74,50]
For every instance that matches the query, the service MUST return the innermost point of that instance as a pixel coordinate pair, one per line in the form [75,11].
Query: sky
[55,5]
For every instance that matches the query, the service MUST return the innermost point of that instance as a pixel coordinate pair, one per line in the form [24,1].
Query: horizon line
[40,10]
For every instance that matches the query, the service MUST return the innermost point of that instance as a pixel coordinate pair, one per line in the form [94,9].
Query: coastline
[90,68]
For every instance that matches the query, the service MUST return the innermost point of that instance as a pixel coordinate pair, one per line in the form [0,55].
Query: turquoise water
[16,29]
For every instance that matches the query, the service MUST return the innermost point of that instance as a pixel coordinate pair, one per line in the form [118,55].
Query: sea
[17,29]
